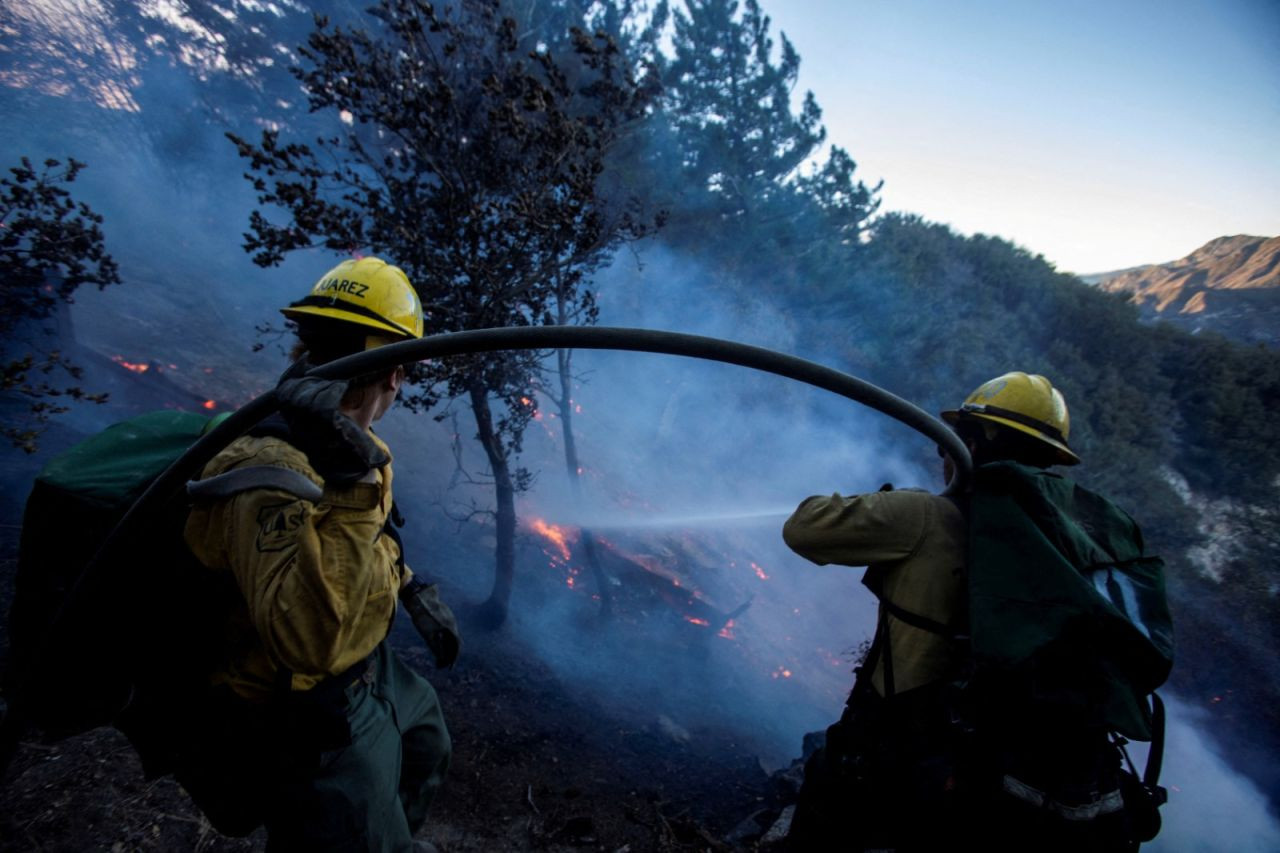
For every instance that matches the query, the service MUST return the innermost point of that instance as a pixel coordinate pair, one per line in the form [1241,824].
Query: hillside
[1229,285]
[725,647]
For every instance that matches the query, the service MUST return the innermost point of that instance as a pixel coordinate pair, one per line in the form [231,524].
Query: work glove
[433,619]
[340,451]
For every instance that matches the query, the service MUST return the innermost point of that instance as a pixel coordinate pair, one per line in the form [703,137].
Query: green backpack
[131,645]
[1069,623]
[1051,564]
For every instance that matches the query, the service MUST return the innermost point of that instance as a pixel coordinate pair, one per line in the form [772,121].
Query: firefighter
[898,770]
[317,729]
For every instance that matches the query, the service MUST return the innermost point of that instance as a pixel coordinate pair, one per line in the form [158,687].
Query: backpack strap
[251,477]
[924,623]
[1150,778]
[1155,755]
[886,655]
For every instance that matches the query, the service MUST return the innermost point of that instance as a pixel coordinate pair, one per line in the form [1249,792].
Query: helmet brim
[337,313]
[1066,456]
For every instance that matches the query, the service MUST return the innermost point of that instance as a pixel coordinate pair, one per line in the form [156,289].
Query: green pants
[373,794]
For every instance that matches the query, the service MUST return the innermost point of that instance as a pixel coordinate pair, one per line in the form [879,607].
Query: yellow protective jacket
[319,581]
[913,543]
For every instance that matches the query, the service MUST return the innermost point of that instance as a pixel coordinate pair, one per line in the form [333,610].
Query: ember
[129,365]
[553,532]
[760,572]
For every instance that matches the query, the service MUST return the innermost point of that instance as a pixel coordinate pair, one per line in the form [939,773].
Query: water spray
[668,521]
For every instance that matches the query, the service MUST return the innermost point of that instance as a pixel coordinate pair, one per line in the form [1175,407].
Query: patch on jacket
[276,525]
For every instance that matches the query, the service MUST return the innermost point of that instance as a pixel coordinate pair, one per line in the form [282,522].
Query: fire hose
[171,482]
[174,478]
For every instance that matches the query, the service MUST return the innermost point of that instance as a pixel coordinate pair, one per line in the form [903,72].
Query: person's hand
[433,619]
[339,450]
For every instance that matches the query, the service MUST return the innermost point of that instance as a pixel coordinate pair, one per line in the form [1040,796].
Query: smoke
[688,467]
[1211,806]
[675,450]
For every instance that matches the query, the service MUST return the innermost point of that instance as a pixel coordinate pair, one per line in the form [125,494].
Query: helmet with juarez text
[1025,402]
[367,292]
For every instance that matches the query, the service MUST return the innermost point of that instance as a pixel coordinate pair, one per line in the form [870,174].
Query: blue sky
[1102,135]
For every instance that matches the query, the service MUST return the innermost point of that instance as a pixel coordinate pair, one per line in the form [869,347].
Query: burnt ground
[534,768]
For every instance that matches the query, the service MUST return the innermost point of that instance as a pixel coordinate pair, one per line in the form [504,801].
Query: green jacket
[913,544]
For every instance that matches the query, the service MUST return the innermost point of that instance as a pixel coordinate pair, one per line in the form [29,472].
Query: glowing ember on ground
[129,365]
[209,404]
[760,572]
[830,659]
[696,621]
[727,631]
[553,532]
[782,672]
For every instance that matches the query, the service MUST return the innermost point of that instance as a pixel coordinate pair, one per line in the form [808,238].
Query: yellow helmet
[366,291]
[1026,402]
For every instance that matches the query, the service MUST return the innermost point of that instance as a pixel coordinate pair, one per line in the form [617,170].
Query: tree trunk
[565,402]
[493,612]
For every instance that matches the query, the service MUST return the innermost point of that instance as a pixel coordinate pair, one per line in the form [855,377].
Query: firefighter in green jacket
[319,730]
[885,777]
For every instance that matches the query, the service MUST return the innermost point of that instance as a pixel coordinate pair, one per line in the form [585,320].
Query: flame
[760,572]
[129,365]
[553,532]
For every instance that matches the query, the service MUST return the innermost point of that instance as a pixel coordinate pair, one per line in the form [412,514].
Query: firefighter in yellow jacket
[319,730]
[884,778]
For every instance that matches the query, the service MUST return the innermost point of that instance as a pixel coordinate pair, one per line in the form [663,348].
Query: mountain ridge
[1230,285]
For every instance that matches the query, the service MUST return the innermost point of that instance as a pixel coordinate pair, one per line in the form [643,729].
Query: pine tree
[730,104]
